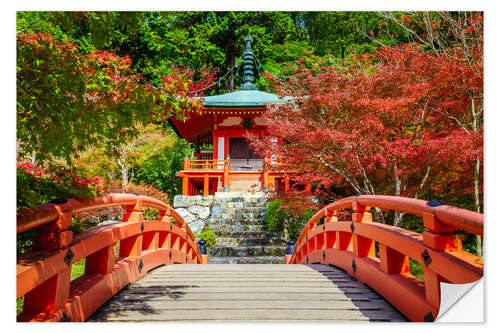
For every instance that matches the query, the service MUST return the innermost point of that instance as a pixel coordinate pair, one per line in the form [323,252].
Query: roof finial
[248,65]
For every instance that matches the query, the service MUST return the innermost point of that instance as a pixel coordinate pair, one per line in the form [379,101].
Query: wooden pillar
[205,185]
[227,166]
[287,182]
[265,175]
[185,183]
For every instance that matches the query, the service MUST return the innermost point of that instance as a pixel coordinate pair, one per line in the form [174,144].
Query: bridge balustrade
[351,245]
[43,275]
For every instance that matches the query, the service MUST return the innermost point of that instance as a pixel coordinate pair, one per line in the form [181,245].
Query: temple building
[231,165]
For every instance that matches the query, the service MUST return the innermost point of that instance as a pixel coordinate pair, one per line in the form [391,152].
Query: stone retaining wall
[199,211]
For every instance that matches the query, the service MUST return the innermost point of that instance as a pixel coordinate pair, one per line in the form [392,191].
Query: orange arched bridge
[338,270]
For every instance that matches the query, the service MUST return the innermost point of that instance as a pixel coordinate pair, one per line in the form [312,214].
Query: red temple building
[231,165]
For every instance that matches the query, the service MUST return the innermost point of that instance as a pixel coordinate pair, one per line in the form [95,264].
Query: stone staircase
[238,221]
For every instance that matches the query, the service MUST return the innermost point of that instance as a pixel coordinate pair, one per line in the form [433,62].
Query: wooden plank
[232,268]
[243,305]
[251,314]
[247,292]
[238,284]
[290,297]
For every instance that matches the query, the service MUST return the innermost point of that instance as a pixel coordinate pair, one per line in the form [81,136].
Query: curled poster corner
[462,302]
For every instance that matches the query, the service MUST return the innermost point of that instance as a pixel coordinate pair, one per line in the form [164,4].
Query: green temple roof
[247,95]
[242,97]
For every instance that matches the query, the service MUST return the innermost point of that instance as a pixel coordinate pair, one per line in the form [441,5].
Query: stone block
[217,211]
[204,201]
[182,201]
[202,212]
[196,225]
[186,215]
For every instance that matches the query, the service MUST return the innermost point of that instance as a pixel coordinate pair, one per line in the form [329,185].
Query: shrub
[286,220]
[36,185]
[208,236]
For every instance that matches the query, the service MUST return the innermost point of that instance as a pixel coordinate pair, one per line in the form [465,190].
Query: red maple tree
[402,121]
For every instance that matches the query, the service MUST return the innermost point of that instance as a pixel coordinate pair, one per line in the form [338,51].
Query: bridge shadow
[370,303]
[136,297]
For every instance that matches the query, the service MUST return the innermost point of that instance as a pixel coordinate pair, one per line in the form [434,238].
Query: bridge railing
[351,245]
[44,274]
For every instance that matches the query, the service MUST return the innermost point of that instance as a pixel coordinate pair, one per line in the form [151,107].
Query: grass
[416,269]
[19,303]
[78,269]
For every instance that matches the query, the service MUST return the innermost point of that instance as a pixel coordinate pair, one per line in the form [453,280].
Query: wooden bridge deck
[246,293]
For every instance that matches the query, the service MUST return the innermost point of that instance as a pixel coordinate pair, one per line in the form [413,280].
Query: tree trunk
[397,192]
[477,170]
[124,173]
[477,208]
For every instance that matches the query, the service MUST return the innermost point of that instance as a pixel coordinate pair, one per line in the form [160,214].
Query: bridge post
[289,252]
[392,261]
[362,246]
[50,295]
[330,216]
[102,261]
[203,251]
[439,237]
[55,235]
[132,246]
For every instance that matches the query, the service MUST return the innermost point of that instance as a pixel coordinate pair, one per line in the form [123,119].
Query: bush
[36,185]
[208,236]
[161,169]
[286,221]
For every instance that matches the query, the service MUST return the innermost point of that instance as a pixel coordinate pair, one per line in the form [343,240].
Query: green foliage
[287,221]
[208,39]
[160,169]
[416,269]
[66,101]
[208,236]
[19,305]
[50,185]
[24,241]
[77,269]
[342,33]
[113,31]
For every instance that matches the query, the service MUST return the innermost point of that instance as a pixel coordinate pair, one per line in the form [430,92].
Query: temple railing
[43,275]
[352,246]
[219,165]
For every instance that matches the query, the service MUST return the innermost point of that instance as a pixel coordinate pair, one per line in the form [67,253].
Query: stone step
[245,234]
[237,221]
[247,260]
[237,228]
[239,214]
[246,251]
[243,241]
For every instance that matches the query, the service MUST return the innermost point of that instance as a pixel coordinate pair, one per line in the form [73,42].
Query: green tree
[160,168]
[343,33]
[208,39]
